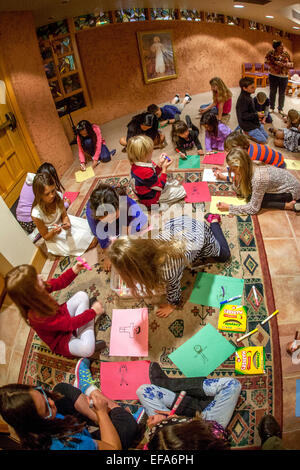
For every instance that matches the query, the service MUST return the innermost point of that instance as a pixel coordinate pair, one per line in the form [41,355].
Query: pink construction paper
[129,332]
[215,158]
[71,195]
[197,192]
[120,380]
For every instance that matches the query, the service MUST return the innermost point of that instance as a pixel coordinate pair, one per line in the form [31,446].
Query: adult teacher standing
[279,62]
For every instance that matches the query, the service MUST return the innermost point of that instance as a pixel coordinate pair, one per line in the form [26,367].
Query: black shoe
[100,345]
[188,121]
[268,427]
[112,153]
[124,150]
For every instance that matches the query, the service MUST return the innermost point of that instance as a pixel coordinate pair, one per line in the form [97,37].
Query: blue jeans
[259,134]
[225,391]
[213,110]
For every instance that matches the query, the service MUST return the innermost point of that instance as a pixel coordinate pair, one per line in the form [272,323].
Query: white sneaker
[176,99]
[188,97]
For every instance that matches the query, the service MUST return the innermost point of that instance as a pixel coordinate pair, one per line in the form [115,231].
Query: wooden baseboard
[38,260]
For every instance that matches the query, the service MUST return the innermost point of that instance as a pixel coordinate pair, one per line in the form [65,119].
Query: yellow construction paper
[228,200]
[84,175]
[292,164]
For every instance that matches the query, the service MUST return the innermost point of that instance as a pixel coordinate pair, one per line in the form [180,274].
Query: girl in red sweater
[67,329]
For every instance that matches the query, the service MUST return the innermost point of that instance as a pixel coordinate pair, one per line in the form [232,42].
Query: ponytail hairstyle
[238,157]
[21,284]
[105,194]
[178,127]
[49,168]
[86,125]
[18,409]
[223,94]
[41,180]
[210,119]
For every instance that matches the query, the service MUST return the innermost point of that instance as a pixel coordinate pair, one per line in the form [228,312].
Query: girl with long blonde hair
[54,323]
[222,99]
[263,186]
[149,264]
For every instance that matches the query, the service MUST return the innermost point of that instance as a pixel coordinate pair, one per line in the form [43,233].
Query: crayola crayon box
[250,360]
[233,318]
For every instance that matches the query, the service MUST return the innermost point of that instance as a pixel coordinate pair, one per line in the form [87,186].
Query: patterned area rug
[260,394]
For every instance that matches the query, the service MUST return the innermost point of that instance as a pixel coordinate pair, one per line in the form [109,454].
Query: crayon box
[233,318]
[250,360]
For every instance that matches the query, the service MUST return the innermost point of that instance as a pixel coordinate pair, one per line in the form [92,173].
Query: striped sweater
[266,154]
[148,182]
[200,242]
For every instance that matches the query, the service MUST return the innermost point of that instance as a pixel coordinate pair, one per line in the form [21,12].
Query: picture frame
[157,55]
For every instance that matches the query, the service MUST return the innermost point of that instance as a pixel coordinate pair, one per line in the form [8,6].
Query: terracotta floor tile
[286,293]
[274,224]
[14,367]
[21,337]
[283,257]
[295,222]
[10,319]
[290,421]
[290,364]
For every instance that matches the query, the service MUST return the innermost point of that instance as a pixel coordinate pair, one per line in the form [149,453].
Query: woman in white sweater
[264,186]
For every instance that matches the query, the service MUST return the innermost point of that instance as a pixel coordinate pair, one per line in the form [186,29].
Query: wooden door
[17,156]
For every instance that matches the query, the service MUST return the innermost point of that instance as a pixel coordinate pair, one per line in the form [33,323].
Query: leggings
[276,201]
[279,83]
[219,236]
[84,344]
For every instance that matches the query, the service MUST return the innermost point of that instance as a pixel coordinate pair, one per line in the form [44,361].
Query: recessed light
[296,27]
[269,16]
[239,6]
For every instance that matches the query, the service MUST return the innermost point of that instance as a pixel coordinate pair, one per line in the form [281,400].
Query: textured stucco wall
[23,65]
[111,63]
[296,50]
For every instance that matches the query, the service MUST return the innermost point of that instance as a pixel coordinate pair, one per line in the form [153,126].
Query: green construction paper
[193,161]
[208,289]
[215,350]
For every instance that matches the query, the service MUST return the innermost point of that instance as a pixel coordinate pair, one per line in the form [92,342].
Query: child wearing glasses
[67,329]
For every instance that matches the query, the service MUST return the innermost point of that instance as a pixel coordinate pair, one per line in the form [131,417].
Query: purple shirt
[213,142]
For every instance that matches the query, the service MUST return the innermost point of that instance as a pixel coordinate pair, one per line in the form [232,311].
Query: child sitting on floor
[64,234]
[257,152]
[288,137]
[160,261]
[124,215]
[262,105]
[26,198]
[215,132]
[91,144]
[169,113]
[55,324]
[185,137]
[247,116]
[149,180]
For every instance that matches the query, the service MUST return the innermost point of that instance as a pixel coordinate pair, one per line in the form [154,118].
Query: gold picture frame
[157,55]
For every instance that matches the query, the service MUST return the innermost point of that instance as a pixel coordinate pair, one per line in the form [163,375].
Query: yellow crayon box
[233,318]
[250,360]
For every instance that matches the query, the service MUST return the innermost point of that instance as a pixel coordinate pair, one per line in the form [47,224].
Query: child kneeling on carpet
[124,215]
[160,262]
[257,152]
[264,186]
[148,179]
[68,329]
[186,430]
[60,419]
[64,234]
[288,137]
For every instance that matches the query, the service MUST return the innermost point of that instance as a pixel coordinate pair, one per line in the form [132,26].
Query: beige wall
[23,67]
[296,50]
[15,246]
[111,63]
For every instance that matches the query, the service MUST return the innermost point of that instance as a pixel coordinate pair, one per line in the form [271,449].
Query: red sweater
[56,330]
[149,181]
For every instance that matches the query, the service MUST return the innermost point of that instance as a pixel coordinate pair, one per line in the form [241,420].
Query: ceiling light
[296,27]
[269,16]
[238,6]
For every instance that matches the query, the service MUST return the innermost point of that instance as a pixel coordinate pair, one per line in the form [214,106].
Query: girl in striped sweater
[160,261]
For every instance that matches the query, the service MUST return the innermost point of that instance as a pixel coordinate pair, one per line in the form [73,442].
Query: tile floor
[281,233]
